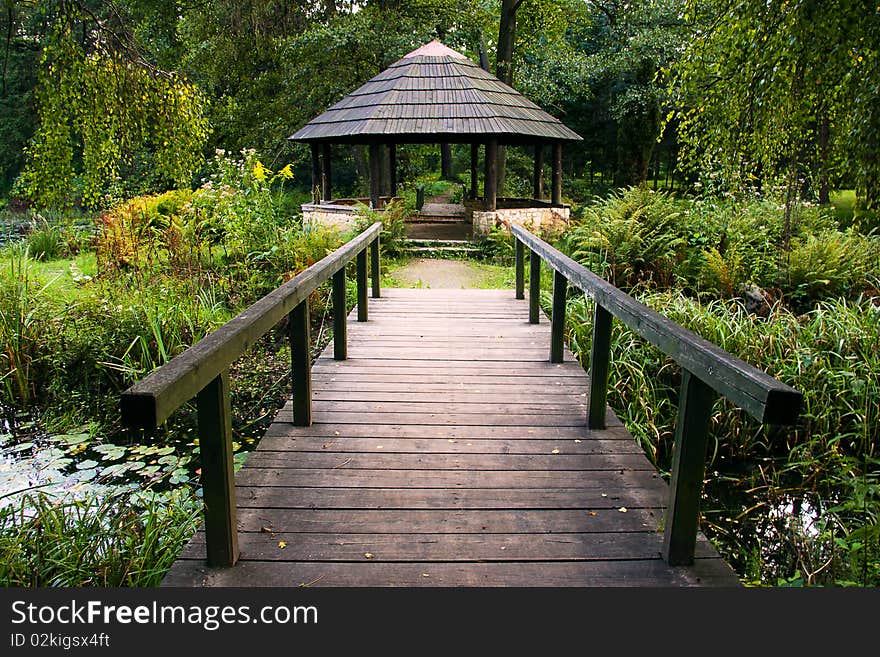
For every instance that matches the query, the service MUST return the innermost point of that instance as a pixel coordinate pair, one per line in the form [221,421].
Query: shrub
[631,237]
[831,264]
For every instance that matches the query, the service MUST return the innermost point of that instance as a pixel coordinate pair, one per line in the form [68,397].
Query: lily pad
[88,464]
[86,475]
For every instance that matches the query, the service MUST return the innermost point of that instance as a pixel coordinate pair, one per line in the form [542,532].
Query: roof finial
[434,49]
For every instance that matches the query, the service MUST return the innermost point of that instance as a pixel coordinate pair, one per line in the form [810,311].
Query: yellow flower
[260,172]
[286,173]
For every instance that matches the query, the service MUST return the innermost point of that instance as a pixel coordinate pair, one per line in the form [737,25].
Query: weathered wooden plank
[438,499]
[449,432]
[634,573]
[543,479]
[485,407]
[383,460]
[475,396]
[454,521]
[381,417]
[264,546]
[282,441]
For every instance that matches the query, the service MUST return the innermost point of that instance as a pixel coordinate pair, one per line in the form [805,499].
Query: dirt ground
[427,272]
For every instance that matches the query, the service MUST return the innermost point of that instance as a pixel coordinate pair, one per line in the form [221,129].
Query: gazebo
[435,95]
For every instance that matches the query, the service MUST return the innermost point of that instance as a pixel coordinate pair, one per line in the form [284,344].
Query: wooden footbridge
[448,438]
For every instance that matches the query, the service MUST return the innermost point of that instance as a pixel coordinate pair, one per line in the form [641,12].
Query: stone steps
[427,248]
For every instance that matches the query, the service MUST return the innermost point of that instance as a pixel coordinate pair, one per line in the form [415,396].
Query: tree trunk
[445,161]
[506,40]
[504,67]
[362,168]
[824,185]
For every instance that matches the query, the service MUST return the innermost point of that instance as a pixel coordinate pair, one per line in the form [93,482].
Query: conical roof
[434,94]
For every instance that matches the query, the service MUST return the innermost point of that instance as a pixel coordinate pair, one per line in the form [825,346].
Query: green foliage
[782,89]
[832,264]
[498,245]
[238,205]
[45,242]
[111,542]
[632,236]
[392,239]
[99,105]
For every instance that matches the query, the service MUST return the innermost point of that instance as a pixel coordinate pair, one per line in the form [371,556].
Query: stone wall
[538,220]
[341,218]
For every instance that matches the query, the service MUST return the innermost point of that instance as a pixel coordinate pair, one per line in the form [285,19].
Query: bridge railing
[707,371]
[202,371]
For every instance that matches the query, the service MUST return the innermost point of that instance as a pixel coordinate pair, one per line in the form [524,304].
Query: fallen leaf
[451,440]
[604,494]
[378,446]
[577,440]
[282,544]
[267,529]
[555,451]
[622,509]
[592,513]
[368,555]
[335,433]
[425,575]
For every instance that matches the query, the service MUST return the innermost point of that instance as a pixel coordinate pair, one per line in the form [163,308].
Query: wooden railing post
[600,356]
[362,285]
[300,364]
[340,342]
[520,269]
[688,467]
[534,287]
[374,266]
[218,474]
[557,321]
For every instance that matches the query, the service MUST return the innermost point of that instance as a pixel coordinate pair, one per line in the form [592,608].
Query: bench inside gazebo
[435,95]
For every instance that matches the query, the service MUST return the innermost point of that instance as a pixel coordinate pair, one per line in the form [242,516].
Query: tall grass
[832,355]
[109,542]
[22,324]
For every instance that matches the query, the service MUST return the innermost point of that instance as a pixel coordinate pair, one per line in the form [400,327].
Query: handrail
[202,371]
[708,371]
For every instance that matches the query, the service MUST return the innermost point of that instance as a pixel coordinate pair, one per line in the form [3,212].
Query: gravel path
[427,272]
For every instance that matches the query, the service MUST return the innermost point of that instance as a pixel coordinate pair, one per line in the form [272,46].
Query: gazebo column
[491,183]
[316,174]
[375,172]
[326,179]
[557,174]
[392,170]
[538,174]
[475,158]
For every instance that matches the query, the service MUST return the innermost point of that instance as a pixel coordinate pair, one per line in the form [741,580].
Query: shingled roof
[434,94]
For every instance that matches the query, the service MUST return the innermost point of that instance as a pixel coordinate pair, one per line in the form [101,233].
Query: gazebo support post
[316,174]
[538,174]
[475,159]
[557,173]
[326,178]
[491,182]
[375,172]
[392,169]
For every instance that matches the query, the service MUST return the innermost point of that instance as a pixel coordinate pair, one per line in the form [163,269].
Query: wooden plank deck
[448,451]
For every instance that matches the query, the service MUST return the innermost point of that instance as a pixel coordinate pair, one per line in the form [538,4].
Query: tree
[102,106]
[598,65]
[783,89]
